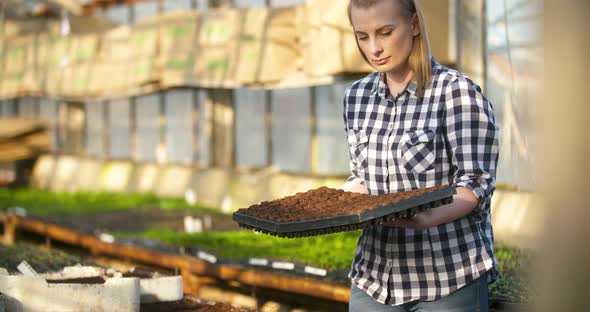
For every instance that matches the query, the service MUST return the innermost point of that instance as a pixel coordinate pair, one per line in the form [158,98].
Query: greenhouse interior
[186,155]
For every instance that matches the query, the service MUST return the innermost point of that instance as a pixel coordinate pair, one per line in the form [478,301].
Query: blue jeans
[472,297]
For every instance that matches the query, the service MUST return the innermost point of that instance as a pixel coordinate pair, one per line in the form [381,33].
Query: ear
[415,25]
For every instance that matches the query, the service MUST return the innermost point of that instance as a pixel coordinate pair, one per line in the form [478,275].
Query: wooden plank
[19,127]
[9,231]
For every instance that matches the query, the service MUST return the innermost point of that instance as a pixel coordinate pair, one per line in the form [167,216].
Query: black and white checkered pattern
[403,143]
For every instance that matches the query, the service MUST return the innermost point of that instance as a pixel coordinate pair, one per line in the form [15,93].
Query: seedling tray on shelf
[400,205]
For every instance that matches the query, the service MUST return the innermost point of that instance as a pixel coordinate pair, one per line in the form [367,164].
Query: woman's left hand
[419,221]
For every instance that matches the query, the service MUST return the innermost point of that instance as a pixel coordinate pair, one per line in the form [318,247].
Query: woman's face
[384,35]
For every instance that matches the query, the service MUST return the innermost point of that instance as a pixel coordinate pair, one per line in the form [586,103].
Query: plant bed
[501,305]
[189,304]
[92,213]
[140,219]
[513,288]
[45,203]
[334,252]
[327,210]
[41,259]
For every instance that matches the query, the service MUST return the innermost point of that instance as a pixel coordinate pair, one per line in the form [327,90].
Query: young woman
[416,124]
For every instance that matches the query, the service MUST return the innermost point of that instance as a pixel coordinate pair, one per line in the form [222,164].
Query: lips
[381,61]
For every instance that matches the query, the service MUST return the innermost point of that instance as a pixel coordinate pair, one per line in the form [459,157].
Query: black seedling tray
[402,209]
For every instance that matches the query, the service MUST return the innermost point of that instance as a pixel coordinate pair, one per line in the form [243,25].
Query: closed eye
[387,33]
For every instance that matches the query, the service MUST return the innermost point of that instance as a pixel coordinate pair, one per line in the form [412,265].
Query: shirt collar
[382,89]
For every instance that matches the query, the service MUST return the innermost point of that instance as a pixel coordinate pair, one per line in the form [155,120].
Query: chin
[383,68]
[390,68]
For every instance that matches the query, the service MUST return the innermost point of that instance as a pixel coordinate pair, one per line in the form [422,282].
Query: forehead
[382,13]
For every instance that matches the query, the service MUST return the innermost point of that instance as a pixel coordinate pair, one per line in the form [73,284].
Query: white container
[158,289]
[33,293]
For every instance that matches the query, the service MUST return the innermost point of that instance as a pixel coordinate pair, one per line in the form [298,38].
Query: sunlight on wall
[516,218]
[147,177]
[175,181]
[65,169]
[115,176]
[87,175]
[514,58]
[43,171]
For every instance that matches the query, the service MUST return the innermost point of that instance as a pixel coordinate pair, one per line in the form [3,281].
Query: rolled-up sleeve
[472,137]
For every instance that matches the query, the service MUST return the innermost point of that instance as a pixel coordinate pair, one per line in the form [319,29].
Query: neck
[397,81]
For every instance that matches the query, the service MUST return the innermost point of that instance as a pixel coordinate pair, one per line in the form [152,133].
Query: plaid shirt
[403,143]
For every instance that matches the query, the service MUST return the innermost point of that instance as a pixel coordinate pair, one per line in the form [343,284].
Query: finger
[403,223]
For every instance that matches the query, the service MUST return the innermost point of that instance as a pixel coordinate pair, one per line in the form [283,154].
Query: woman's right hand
[356,186]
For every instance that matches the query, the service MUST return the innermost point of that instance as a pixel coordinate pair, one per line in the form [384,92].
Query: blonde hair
[419,59]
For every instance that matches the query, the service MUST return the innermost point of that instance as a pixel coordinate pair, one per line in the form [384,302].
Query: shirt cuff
[476,187]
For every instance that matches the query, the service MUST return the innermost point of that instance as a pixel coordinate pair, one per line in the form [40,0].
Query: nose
[375,48]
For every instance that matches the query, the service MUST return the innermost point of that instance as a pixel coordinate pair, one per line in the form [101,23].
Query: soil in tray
[326,202]
[187,305]
[78,280]
[140,273]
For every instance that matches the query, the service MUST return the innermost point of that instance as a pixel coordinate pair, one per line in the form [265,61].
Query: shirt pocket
[358,143]
[416,150]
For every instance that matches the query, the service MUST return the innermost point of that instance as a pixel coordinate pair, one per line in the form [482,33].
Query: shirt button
[390,126]
[389,263]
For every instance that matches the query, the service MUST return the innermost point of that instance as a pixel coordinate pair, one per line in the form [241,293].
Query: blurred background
[226,103]
[224,99]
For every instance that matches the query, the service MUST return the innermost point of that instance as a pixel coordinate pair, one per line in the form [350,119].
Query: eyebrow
[378,29]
